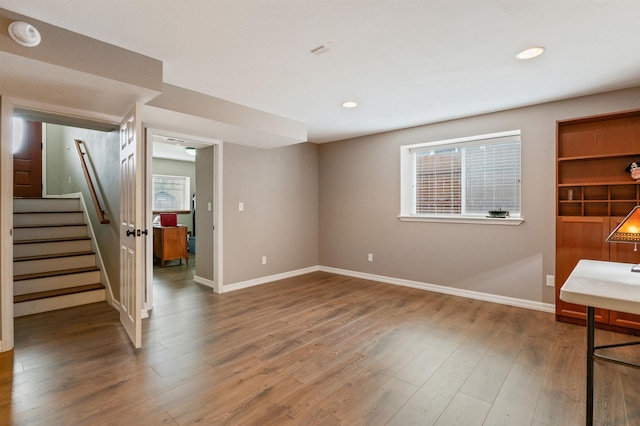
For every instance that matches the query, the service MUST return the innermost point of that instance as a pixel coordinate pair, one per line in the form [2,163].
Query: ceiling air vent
[320,50]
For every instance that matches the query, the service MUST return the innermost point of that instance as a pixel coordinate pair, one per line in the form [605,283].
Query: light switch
[241,206]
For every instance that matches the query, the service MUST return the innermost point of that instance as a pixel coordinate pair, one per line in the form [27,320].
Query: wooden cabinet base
[602,326]
[170,243]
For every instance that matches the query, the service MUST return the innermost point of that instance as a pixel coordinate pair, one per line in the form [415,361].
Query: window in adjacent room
[462,179]
[171,193]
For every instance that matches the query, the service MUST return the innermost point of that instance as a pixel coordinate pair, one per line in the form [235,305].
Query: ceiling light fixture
[24,34]
[349,104]
[531,52]
[190,150]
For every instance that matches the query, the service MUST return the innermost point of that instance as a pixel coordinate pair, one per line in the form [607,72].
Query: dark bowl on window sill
[498,213]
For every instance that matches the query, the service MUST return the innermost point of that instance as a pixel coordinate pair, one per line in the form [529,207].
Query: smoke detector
[24,34]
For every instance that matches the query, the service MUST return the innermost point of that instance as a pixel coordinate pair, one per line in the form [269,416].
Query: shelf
[620,208]
[578,185]
[598,157]
[570,209]
[595,171]
[606,136]
[596,209]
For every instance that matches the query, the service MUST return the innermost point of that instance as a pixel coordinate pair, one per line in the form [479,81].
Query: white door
[132,239]
[6,225]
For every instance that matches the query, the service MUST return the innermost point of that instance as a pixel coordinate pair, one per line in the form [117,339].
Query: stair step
[51,256]
[22,233]
[53,293]
[54,266]
[46,204]
[57,262]
[46,304]
[49,247]
[47,274]
[48,218]
[50,240]
[53,280]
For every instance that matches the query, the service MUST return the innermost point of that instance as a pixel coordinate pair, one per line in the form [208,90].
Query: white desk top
[606,285]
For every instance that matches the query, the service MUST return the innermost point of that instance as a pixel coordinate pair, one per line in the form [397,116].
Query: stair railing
[92,190]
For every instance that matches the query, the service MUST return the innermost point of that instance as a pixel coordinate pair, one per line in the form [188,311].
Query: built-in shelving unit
[593,153]
[594,192]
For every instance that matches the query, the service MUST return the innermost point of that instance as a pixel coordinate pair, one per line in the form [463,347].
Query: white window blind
[492,180]
[171,193]
[438,186]
[466,177]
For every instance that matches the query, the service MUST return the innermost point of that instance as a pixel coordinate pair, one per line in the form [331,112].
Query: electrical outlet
[264,260]
[370,257]
[551,281]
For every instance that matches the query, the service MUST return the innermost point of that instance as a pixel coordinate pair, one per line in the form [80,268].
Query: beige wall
[279,189]
[205,247]
[360,202]
[103,154]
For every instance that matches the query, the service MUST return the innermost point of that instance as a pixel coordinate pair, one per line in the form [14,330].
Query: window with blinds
[464,177]
[171,193]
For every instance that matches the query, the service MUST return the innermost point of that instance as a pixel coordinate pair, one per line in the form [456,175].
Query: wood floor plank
[314,349]
[464,410]
[561,402]
[487,378]
[418,370]
[377,408]
[427,405]
[516,403]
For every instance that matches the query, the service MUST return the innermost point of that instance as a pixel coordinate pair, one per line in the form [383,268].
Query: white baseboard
[206,282]
[115,303]
[268,279]
[469,294]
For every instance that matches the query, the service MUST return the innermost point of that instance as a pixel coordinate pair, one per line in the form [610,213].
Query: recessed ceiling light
[531,52]
[349,104]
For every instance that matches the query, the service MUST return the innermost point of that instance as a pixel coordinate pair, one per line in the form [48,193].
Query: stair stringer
[104,277]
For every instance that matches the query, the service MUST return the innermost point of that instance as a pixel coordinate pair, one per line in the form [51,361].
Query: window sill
[510,221]
[156,212]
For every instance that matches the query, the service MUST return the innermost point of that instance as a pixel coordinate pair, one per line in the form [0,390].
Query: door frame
[8,107]
[216,284]
[6,223]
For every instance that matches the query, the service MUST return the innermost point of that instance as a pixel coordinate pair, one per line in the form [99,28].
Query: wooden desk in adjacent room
[170,243]
[606,285]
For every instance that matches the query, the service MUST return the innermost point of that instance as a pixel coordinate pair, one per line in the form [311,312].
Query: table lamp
[628,232]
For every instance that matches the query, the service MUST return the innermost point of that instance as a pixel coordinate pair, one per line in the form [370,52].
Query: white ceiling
[172,148]
[406,62]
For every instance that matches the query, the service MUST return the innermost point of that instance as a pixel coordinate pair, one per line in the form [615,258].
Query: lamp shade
[629,229]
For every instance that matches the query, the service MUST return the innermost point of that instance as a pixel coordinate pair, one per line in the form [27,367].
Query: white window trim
[407,181]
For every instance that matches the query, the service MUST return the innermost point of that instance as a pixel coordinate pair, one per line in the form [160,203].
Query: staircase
[54,266]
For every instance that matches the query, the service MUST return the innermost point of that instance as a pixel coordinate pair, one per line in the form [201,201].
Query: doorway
[27,158]
[178,156]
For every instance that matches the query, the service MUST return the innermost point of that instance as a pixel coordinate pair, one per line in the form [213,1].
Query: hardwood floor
[318,349]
